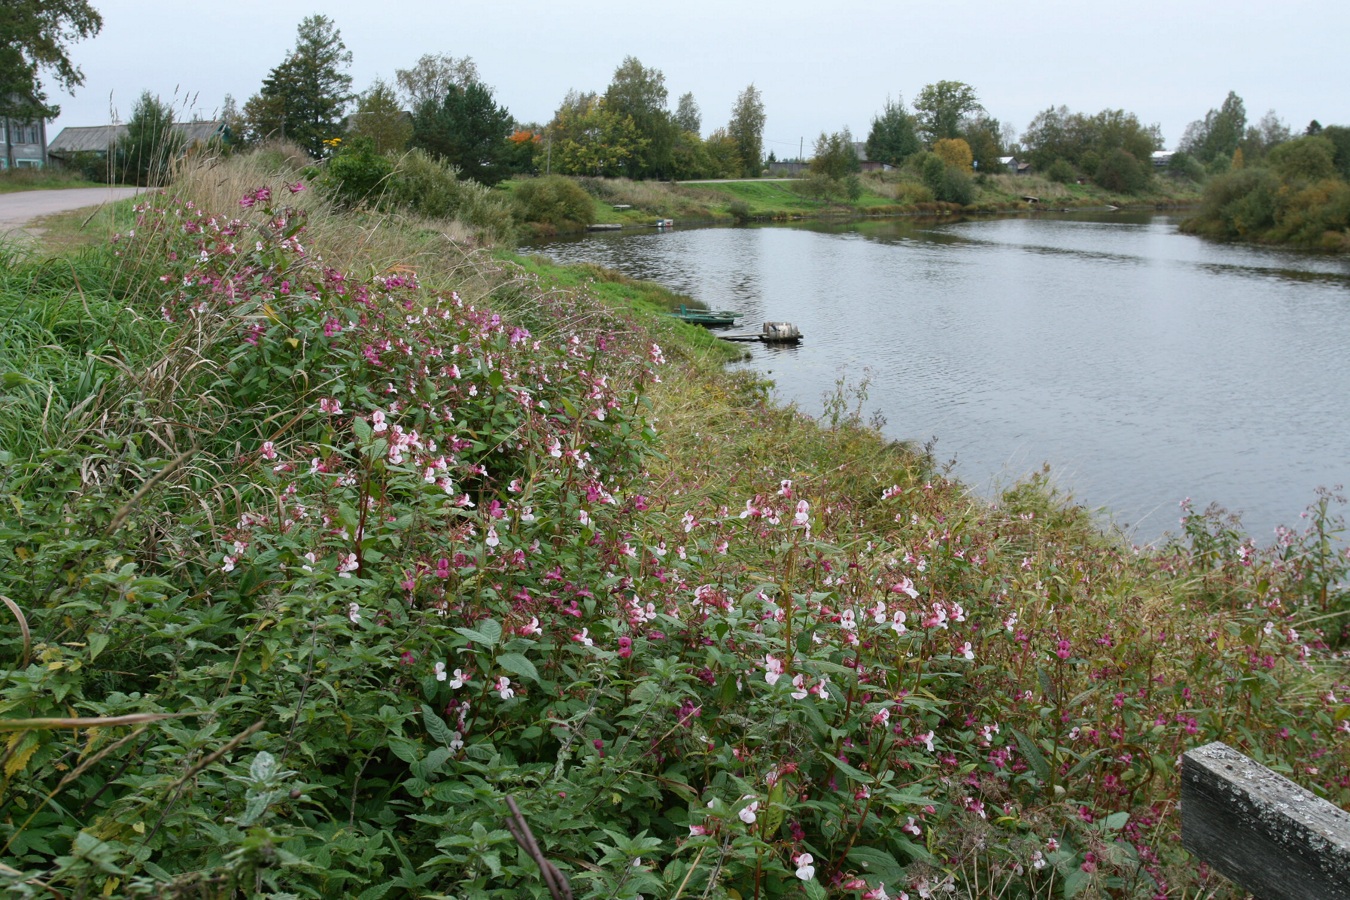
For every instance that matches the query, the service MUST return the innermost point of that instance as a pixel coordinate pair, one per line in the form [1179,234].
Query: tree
[723,156]
[1119,171]
[303,98]
[1218,133]
[639,93]
[379,117]
[232,120]
[431,77]
[588,138]
[468,130]
[1264,136]
[150,143]
[687,115]
[943,106]
[894,135]
[34,36]
[1083,141]
[955,152]
[747,129]
[984,137]
[835,156]
[1305,159]
[1339,135]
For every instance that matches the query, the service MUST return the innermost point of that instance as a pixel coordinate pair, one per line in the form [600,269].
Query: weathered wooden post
[1260,830]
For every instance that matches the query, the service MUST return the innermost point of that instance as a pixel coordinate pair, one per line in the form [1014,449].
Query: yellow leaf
[294,342]
[22,552]
[28,745]
[139,828]
[110,886]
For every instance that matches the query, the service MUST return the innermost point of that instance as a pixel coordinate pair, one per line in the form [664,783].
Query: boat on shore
[708,318]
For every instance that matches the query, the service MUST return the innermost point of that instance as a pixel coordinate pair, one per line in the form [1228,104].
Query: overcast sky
[819,66]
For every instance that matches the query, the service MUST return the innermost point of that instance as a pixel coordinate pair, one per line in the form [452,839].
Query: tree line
[1263,180]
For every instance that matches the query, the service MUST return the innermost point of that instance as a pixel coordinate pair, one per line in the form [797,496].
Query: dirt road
[19,209]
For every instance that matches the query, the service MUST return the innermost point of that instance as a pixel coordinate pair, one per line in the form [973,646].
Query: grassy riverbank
[327,533]
[881,194]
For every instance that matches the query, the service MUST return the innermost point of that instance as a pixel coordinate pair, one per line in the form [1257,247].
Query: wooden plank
[1260,830]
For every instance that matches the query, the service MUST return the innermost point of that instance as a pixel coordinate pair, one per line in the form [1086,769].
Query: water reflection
[1142,364]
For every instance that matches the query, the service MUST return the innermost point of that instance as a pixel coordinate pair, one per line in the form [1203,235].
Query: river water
[1143,365]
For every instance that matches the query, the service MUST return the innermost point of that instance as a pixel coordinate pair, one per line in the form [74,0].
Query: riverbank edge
[724,425]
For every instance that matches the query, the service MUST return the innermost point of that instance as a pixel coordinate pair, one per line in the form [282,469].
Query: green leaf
[1074,881]
[264,766]
[1116,821]
[361,428]
[773,817]
[857,775]
[517,664]
[1033,755]
[879,863]
[97,642]
[488,633]
[435,725]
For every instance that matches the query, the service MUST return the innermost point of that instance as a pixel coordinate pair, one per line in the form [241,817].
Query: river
[1141,364]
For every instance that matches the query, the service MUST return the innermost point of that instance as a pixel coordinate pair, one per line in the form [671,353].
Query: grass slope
[326,534]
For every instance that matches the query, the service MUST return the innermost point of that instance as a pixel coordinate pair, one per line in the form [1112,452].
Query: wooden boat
[708,318]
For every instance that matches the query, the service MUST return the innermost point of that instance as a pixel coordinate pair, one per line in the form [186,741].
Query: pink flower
[269,450]
[774,669]
[802,517]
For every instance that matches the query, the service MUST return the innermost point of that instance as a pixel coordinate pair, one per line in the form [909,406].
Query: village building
[101,140]
[23,144]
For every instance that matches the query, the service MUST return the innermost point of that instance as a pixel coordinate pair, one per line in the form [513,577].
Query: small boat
[709,318]
[665,223]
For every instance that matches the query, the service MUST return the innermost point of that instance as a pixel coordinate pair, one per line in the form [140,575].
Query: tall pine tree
[303,98]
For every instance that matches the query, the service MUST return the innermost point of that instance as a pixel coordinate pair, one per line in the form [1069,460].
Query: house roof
[98,138]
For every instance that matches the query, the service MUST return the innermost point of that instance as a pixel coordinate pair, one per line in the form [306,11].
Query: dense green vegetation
[324,533]
[1299,194]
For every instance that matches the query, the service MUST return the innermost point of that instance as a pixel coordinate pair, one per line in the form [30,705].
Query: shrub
[1122,173]
[555,201]
[425,185]
[357,173]
[1061,172]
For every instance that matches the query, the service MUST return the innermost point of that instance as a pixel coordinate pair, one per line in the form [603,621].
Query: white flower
[775,670]
[354,613]
[458,681]
[747,815]
[228,564]
[439,669]
[504,688]
[805,871]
